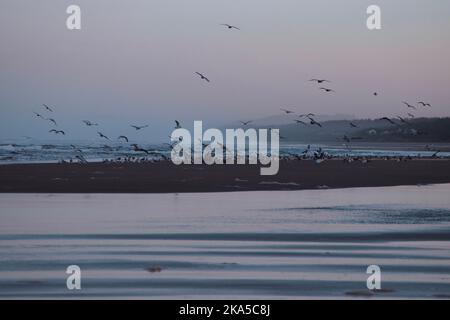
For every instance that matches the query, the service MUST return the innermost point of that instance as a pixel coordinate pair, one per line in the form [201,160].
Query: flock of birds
[301,119]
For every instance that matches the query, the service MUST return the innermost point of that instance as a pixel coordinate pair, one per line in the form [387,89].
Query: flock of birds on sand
[304,119]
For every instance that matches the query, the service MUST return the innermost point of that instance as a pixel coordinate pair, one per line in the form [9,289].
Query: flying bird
[286,111]
[388,120]
[38,115]
[58,132]
[353,125]
[229,26]
[245,123]
[47,107]
[375,94]
[409,105]
[123,137]
[314,122]
[326,89]
[202,77]
[424,104]
[402,120]
[102,135]
[52,120]
[307,115]
[178,126]
[320,80]
[137,148]
[89,123]
[139,127]
[81,158]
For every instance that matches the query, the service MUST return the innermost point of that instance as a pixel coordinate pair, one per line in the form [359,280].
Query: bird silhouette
[286,111]
[245,123]
[388,120]
[314,122]
[178,125]
[327,89]
[89,123]
[52,121]
[39,115]
[102,135]
[123,137]
[424,104]
[402,120]
[139,149]
[229,26]
[47,107]
[319,81]
[202,76]
[58,132]
[139,127]
[306,115]
[409,105]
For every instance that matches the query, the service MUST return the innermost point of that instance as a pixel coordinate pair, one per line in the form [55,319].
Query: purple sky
[133,62]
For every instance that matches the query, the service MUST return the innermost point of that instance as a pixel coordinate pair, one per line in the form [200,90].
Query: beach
[165,177]
[306,244]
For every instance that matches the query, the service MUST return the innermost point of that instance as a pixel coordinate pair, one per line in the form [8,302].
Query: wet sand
[165,177]
[305,244]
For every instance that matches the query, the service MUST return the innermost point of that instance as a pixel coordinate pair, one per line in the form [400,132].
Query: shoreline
[165,177]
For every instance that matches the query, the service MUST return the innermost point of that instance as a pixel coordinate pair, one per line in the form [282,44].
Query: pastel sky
[133,62]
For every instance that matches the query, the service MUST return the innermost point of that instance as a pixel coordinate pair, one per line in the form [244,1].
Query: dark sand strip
[165,177]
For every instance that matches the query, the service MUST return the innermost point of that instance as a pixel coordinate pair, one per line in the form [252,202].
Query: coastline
[165,177]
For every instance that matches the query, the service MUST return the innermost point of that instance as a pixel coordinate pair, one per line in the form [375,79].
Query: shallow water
[51,151]
[296,244]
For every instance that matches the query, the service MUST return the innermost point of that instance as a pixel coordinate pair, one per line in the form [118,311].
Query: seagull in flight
[38,115]
[314,122]
[307,115]
[409,105]
[229,26]
[178,125]
[402,120]
[388,120]
[58,132]
[89,123]
[245,123]
[202,76]
[327,89]
[102,135]
[47,107]
[286,111]
[424,104]
[123,137]
[319,81]
[353,125]
[139,127]
[137,148]
[52,120]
